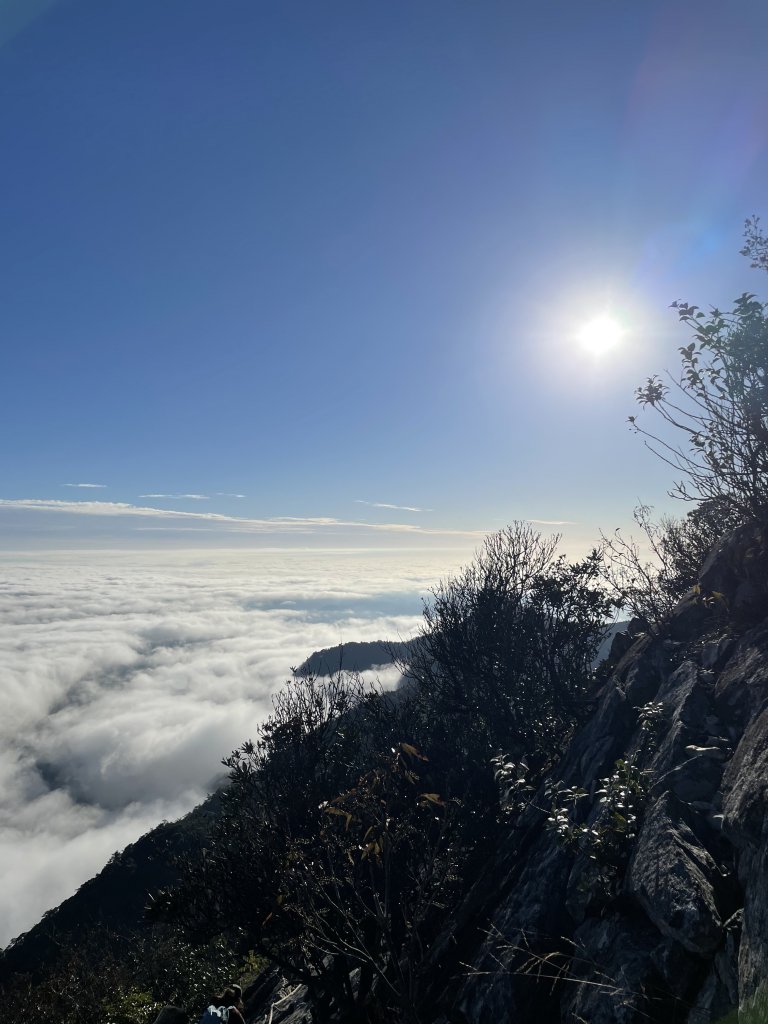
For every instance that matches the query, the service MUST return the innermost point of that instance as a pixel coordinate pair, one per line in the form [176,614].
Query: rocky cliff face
[677,929]
[672,926]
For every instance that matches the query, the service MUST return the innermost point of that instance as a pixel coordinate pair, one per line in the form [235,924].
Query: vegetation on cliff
[357,819]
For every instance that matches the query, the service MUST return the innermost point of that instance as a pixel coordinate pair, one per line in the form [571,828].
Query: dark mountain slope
[354,657]
[114,899]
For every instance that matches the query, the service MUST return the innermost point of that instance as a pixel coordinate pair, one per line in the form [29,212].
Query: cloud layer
[127,681]
[278,526]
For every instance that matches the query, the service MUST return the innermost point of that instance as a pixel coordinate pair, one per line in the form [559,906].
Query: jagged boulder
[745,823]
[675,879]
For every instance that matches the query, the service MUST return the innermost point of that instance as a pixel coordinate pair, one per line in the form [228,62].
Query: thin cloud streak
[553,522]
[191,497]
[385,504]
[90,486]
[276,524]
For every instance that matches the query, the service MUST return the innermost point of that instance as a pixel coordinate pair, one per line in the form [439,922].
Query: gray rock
[535,907]
[745,823]
[674,878]
[642,671]
[745,786]
[611,966]
[714,652]
[690,702]
[743,684]
[620,644]
[738,569]
[754,1010]
[679,970]
[695,781]
[718,998]
[287,1006]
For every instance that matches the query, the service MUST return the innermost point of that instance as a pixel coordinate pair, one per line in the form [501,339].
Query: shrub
[337,853]
[719,404]
[371,890]
[649,584]
[504,659]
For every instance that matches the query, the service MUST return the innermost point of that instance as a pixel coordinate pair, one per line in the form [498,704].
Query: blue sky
[334,256]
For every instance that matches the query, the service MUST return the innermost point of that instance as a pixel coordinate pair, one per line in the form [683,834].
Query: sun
[600,334]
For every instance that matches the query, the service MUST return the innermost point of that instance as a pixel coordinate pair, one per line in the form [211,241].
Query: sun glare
[600,335]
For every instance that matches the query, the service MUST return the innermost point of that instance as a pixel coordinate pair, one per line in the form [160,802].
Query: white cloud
[92,486]
[190,497]
[384,504]
[126,679]
[552,522]
[228,494]
[242,524]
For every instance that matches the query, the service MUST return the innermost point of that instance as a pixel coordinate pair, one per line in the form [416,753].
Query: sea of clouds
[126,679]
